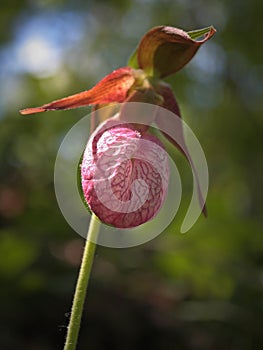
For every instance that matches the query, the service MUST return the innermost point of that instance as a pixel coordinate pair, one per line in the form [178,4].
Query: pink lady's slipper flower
[124,174]
[119,172]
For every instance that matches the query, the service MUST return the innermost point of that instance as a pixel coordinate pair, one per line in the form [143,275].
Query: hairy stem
[81,286]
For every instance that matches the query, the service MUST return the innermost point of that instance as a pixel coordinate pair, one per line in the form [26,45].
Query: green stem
[81,287]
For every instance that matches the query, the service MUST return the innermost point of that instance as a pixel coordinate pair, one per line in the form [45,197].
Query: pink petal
[176,128]
[112,176]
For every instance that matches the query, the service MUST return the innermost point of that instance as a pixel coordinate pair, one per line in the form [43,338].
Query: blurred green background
[201,290]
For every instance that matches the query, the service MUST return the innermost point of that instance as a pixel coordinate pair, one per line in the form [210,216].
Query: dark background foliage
[201,290]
